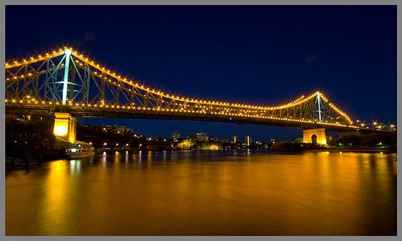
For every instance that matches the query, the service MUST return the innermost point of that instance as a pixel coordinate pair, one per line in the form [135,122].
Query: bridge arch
[314,139]
[315,136]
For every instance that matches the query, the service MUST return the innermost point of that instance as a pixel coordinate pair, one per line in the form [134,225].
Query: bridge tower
[315,136]
[65,126]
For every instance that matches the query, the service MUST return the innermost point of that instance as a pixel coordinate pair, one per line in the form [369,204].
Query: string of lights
[99,106]
[164,101]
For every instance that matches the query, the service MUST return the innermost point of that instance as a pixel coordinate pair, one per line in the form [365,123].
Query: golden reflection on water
[206,193]
[54,205]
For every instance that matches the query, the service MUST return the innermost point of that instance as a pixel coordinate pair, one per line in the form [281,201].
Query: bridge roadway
[144,113]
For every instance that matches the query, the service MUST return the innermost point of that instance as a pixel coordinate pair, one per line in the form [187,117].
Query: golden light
[213,147]
[60,128]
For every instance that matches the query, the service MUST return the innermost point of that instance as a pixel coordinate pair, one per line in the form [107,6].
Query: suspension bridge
[68,84]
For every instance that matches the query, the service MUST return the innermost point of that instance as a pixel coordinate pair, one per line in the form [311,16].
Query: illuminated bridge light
[183,104]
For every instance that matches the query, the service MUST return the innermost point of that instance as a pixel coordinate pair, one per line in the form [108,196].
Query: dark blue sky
[257,54]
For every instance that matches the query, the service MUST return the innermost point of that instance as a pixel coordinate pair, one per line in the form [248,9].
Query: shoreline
[20,162]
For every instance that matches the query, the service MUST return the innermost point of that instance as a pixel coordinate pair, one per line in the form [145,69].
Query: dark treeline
[30,140]
[366,139]
[117,137]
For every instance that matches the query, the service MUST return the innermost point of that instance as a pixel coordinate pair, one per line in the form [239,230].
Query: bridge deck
[147,113]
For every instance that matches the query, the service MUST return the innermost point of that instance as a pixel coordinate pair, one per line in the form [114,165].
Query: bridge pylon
[65,126]
[315,136]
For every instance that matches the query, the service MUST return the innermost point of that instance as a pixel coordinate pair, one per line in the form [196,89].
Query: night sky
[255,54]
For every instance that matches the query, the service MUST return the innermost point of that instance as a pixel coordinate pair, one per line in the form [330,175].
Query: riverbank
[286,148]
[363,149]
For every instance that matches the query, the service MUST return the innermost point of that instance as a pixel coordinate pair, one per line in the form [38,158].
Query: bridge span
[67,81]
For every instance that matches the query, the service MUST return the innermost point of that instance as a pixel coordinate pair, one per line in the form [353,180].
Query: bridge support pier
[65,126]
[315,136]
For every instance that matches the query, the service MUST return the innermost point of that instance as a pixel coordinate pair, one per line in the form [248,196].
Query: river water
[206,193]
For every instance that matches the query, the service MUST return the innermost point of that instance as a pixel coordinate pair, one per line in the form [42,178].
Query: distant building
[210,147]
[176,136]
[121,129]
[248,140]
[201,137]
[117,129]
[234,140]
[185,144]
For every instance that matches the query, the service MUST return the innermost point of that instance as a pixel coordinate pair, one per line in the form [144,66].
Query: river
[206,193]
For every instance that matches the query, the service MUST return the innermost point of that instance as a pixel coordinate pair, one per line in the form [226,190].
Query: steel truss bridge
[65,80]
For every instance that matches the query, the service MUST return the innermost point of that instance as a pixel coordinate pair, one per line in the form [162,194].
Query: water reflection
[75,166]
[140,156]
[117,156]
[240,193]
[126,158]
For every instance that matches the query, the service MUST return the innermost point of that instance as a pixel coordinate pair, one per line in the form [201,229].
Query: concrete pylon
[315,136]
[65,126]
